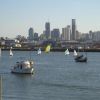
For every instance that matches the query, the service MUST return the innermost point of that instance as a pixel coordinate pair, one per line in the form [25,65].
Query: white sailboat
[39,51]
[75,53]
[11,53]
[0,51]
[67,52]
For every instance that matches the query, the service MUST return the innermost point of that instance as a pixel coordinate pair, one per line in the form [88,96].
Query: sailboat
[11,53]
[0,51]
[75,53]
[67,52]
[47,50]
[39,51]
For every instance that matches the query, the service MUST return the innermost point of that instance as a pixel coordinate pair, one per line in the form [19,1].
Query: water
[56,77]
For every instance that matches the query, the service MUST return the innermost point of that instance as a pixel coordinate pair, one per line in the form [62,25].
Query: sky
[17,16]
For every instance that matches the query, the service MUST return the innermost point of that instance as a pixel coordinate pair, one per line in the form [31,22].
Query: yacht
[23,67]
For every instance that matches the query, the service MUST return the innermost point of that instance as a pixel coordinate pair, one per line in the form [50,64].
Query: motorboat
[80,58]
[23,67]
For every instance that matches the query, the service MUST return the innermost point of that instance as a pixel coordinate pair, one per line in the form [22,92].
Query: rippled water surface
[56,77]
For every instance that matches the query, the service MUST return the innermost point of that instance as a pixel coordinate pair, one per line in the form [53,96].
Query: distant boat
[39,51]
[11,53]
[67,52]
[81,58]
[75,53]
[47,50]
[0,51]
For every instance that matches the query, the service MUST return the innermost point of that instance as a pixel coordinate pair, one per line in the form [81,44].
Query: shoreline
[54,49]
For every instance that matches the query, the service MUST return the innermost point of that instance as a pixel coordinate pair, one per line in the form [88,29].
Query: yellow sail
[48,48]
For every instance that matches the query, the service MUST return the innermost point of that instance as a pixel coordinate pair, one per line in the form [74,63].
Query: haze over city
[17,16]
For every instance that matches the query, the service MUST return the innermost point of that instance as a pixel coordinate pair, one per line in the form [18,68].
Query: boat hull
[23,71]
[80,58]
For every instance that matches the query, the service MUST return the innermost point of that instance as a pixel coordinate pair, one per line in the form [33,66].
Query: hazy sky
[17,16]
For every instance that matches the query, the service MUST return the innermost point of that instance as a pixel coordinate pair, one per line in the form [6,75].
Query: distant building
[73,31]
[66,33]
[11,42]
[77,35]
[55,34]
[36,38]
[94,36]
[31,34]
[47,30]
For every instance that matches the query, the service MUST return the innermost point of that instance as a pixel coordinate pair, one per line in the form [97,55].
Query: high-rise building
[55,34]
[77,35]
[31,34]
[73,35]
[47,30]
[66,33]
[36,37]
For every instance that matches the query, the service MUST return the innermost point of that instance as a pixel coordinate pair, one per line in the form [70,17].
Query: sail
[67,52]
[75,53]
[0,51]
[39,51]
[48,48]
[11,53]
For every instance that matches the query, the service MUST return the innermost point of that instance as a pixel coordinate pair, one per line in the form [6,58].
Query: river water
[56,77]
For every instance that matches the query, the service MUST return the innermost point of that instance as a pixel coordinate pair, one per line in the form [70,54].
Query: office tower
[77,35]
[47,30]
[36,37]
[31,34]
[73,35]
[66,33]
[55,34]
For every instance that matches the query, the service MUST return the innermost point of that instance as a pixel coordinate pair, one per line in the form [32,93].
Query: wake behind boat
[23,67]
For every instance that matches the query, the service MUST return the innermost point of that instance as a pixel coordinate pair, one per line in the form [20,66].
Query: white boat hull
[23,71]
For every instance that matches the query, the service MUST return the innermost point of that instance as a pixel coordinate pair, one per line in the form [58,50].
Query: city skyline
[17,16]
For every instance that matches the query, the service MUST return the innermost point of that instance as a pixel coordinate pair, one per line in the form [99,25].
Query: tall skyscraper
[73,35]
[66,33]
[31,34]
[47,30]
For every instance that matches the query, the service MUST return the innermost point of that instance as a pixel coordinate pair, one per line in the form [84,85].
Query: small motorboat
[81,58]
[23,67]
[78,57]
